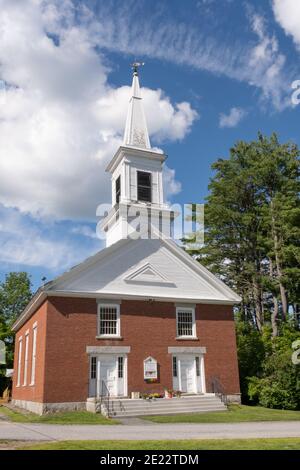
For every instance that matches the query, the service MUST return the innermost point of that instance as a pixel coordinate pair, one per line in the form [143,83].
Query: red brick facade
[66,326]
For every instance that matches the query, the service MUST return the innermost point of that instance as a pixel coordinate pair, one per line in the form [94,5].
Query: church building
[139,317]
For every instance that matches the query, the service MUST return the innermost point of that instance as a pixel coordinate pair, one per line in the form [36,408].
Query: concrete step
[143,406]
[124,407]
[133,414]
[179,404]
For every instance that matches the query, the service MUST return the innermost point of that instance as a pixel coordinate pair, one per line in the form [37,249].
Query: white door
[188,374]
[108,375]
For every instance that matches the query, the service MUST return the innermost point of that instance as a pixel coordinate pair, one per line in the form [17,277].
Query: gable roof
[141,269]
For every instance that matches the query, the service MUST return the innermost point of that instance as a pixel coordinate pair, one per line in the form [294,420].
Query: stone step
[133,414]
[124,407]
[164,405]
[169,402]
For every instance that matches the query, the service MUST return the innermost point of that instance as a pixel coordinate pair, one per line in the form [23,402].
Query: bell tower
[136,179]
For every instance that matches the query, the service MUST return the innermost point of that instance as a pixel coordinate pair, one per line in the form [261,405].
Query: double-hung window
[185,319]
[33,358]
[26,358]
[19,361]
[108,320]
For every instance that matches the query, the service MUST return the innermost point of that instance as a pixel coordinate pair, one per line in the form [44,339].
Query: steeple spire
[136,132]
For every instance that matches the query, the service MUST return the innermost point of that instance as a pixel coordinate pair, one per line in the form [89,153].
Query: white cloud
[116,28]
[287,14]
[85,231]
[62,121]
[24,241]
[233,118]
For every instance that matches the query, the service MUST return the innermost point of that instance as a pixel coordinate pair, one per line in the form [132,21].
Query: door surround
[192,352]
[106,353]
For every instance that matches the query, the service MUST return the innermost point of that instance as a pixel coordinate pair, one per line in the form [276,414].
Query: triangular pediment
[147,274]
[146,269]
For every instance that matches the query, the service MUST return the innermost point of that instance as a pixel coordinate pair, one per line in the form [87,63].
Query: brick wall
[149,328]
[31,392]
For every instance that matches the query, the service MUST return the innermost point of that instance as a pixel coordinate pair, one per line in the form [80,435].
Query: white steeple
[136,132]
[136,177]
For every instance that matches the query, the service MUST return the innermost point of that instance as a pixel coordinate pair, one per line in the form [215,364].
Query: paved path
[50,432]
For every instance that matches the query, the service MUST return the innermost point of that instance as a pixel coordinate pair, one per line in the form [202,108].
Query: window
[144,186]
[198,366]
[19,362]
[118,189]
[33,360]
[120,367]
[175,366]
[26,358]
[93,367]
[186,326]
[109,320]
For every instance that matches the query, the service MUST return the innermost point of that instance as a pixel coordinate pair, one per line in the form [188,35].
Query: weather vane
[135,67]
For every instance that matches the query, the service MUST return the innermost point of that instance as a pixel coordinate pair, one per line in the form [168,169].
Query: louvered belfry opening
[144,186]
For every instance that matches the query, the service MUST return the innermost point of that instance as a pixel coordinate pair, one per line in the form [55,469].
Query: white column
[98,387]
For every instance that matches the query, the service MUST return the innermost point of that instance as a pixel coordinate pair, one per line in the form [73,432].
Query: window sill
[109,337]
[187,338]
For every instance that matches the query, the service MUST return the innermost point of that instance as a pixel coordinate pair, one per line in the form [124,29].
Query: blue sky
[216,71]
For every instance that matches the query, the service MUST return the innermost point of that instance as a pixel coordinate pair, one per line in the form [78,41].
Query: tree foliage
[15,293]
[252,242]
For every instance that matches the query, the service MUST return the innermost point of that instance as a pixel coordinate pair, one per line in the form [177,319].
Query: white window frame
[26,358]
[190,310]
[19,361]
[118,332]
[33,356]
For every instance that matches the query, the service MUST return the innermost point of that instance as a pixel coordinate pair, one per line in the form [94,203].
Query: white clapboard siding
[144,267]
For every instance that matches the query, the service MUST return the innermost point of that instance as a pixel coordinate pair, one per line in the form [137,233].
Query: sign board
[150,368]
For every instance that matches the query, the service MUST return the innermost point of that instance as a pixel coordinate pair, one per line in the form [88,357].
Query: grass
[212,444]
[235,414]
[71,417]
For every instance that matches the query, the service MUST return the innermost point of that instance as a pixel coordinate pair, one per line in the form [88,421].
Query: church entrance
[188,373]
[108,375]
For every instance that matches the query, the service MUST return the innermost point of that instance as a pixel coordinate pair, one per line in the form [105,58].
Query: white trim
[114,356]
[108,349]
[186,350]
[33,354]
[118,332]
[20,342]
[202,372]
[35,302]
[26,358]
[123,151]
[49,289]
[125,375]
[108,301]
[187,309]
[116,295]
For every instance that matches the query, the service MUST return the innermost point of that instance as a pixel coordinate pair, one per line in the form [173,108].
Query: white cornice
[124,151]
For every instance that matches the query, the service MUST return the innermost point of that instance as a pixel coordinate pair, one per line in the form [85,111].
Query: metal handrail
[218,389]
[105,398]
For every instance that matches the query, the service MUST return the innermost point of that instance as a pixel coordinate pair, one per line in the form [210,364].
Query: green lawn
[71,417]
[212,444]
[235,414]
